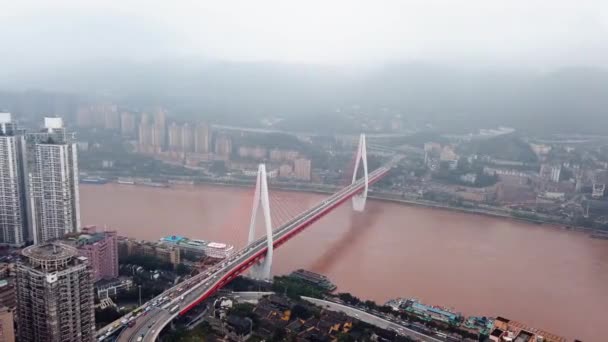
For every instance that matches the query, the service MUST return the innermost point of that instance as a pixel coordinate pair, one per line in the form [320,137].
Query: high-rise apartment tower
[53,181]
[54,295]
[13,185]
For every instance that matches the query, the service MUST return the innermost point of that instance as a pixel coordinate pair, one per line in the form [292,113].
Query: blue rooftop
[423,307]
[173,238]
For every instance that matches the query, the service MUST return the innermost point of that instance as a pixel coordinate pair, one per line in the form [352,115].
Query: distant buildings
[202,141]
[257,152]
[302,169]
[128,126]
[101,250]
[540,150]
[550,172]
[153,132]
[160,130]
[53,181]
[98,116]
[13,185]
[146,134]
[277,155]
[175,137]
[223,146]
[598,190]
[600,179]
[285,171]
[188,138]
[55,295]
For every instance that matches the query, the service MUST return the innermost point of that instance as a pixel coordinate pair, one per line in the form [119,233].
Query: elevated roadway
[180,299]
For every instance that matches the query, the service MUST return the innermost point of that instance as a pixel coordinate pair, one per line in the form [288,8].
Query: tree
[371,304]
[300,311]
[348,298]
[278,335]
[242,309]
[107,315]
[182,270]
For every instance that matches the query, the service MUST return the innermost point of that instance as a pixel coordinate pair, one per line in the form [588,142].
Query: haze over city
[303,171]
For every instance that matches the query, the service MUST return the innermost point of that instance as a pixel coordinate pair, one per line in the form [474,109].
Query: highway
[178,300]
[372,319]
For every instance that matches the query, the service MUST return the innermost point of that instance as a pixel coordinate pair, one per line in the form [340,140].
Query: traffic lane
[372,319]
[163,320]
[127,334]
[150,327]
[144,328]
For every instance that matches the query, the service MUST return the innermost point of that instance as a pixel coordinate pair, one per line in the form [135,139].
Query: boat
[314,279]
[601,236]
[93,180]
[126,181]
[155,184]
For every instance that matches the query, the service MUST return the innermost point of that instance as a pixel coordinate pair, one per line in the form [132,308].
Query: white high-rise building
[13,187]
[53,181]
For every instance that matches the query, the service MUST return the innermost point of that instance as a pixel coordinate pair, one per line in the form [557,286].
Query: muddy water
[549,278]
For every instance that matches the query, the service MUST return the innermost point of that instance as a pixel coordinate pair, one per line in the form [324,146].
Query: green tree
[107,315]
[278,335]
[182,270]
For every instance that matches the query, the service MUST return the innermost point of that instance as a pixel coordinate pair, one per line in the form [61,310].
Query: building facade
[128,247]
[14,225]
[175,137]
[127,124]
[223,146]
[7,325]
[53,182]
[7,293]
[100,249]
[187,137]
[55,295]
[202,138]
[302,169]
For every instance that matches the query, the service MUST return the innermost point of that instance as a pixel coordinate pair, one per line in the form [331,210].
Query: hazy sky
[537,33]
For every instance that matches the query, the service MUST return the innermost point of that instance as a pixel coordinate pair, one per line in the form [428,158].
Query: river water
[549,278]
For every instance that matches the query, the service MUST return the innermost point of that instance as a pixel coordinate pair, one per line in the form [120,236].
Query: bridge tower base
[262,270]
[360,199]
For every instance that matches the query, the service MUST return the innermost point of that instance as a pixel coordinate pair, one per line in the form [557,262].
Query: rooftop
[52,257]
[50,252]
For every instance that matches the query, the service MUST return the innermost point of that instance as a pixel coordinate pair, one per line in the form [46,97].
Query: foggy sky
[540,34]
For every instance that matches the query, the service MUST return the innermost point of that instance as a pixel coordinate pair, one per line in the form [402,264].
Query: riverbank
[391,250]
[397,198]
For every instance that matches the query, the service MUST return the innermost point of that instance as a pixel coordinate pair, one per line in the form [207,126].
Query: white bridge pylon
[262,270]
[360,199]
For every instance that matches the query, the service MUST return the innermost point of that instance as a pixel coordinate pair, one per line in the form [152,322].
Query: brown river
[549,278]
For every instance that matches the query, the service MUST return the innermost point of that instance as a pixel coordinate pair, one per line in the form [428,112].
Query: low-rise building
[128,247]
[508,330]
[100,249]
[107,288]
[7,293]
[302,169]
[7,325]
